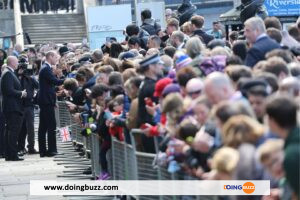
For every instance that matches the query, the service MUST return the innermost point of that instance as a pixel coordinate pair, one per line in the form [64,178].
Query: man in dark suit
[12,105]
[47,101]
[260,42]
[2,122]
[197,24]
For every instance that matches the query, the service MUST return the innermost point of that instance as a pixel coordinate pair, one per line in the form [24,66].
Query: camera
[24,68]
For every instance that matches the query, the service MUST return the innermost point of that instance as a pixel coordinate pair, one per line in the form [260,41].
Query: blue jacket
[91,82]
[47,80]
[259,49]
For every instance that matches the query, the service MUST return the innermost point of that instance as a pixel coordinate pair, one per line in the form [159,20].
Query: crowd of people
[221,109]
[37,6]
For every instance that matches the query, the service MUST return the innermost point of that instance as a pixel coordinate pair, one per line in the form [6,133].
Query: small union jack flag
[65,134]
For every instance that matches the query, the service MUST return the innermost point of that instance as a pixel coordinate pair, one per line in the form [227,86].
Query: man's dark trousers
[22,8]
[27,129]
[2,128]
[47,125]
[14,121]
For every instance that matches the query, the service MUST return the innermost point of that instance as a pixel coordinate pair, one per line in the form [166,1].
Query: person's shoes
[51,154]
[32,151]
[22,152]
[87,171]
[14,159]
[104,176]
[2,156]
[43,155]
[17,159]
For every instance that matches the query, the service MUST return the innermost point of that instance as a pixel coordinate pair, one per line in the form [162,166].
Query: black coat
[47,80]
[146,90]
[259,49]
[78,96]
[151,26]
[29,84]
[206,38]
[11,91]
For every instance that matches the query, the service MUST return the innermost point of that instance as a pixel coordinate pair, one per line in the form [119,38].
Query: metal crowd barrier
[65,119]
[64,116]
[69,156]
[95,152]
[125,162]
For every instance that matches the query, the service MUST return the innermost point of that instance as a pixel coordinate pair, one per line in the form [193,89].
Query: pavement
[15,177]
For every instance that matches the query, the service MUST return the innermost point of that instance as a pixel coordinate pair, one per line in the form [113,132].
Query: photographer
[28,83]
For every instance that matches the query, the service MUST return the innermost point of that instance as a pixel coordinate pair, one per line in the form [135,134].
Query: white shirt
[11,69]
[48,64]
[44,65]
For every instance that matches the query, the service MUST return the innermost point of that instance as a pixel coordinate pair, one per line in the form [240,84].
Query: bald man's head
[290,85]
[12,62]
[218,87]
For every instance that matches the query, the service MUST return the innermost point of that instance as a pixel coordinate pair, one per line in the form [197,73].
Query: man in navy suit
[12,105]
[47,101]
[260,42]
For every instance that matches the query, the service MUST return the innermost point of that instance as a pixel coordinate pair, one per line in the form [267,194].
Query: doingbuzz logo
[248,187]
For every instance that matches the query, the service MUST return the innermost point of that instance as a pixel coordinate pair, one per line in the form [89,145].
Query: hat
[150,60]
[256,84]
[195,84]
[126,55]
[160,85]
[63,50]
[182,61]
[85,58]
[171,88]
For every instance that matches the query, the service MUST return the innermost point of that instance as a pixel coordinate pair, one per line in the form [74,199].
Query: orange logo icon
[248,187]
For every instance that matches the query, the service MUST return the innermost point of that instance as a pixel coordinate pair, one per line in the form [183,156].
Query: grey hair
[256,23]
[219,79]
[194,46]
[179,35]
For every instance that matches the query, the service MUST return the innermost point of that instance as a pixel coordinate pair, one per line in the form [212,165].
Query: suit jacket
[259,49]
[11,90]
[204,36]
[47,81]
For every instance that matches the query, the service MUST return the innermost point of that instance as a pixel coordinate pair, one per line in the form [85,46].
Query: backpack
[143,36]
[151,29]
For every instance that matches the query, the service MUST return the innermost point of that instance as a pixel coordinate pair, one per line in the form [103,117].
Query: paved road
[15,177]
